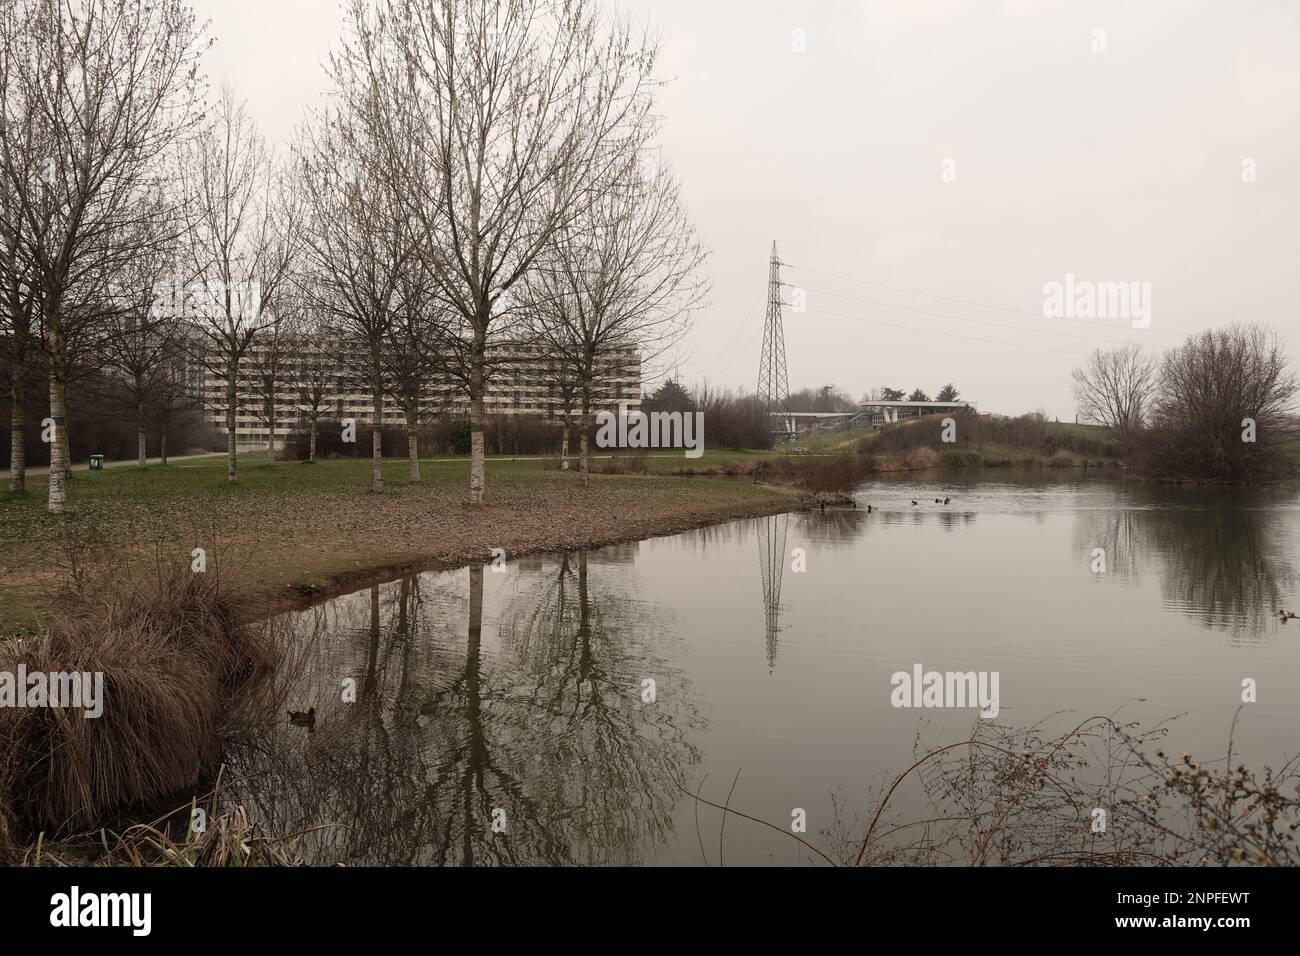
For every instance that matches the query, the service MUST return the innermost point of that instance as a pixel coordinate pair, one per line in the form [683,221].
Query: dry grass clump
[636,464]
[229,840]
[919,459]
[170,654]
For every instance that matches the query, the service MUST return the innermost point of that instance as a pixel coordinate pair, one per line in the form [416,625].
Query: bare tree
[18,348]
[358,243]
[499,117]
[272,365]
[316,378]
[172,395]
[142,338]
[1221,413]
[623,275]
[413,355]
[1115,387]
[94,94]
[243,243]
[561,380]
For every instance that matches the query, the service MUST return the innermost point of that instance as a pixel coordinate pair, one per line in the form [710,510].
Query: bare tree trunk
[564,447]
[141,447]
[17,436]
[476,462]
[311,443]
[270,445]
[377,442]
[63,438]
[232,390]
[413,439]
[478,359]
[584,457]
[162,445]
[58,450]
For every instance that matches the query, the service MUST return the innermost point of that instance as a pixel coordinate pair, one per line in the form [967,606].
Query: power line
[962,318]
[981,305]
[958,335]
[747,317]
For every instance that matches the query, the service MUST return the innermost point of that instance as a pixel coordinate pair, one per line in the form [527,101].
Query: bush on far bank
[1029,432]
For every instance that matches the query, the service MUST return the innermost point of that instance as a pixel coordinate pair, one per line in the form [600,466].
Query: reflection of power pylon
[771,562]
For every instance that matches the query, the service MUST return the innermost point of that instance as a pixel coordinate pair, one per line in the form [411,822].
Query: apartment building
[523,380]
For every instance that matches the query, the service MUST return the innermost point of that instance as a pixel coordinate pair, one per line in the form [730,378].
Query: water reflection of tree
[1222,559]
[445,730]
[841,527]
[837,528]
[587,644]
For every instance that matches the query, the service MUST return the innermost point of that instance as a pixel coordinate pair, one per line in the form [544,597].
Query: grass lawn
[845,441]
[293,523]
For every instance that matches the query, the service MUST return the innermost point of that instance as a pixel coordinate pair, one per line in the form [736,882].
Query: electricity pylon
[773,384]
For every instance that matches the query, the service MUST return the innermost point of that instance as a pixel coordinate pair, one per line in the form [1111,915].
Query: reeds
[171,654]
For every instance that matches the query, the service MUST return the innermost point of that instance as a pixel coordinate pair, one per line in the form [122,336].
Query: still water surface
[524,690]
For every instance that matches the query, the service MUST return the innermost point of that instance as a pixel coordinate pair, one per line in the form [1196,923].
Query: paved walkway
[126,463]
[261,456]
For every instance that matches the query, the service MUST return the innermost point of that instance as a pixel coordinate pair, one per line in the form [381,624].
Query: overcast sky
[971,151]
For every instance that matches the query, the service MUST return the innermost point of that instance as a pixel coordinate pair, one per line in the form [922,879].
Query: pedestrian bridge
[875,412]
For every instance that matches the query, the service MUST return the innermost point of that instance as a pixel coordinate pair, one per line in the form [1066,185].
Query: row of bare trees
[95,96]
[481,174]
[503,156]
[1217,408]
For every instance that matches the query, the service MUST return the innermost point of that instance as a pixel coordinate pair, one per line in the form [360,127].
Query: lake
[558,709]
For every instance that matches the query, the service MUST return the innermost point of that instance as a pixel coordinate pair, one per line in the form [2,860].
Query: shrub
[820,473]
[921,432]
[638,464]
[1061,459]
[919,459]
[733,420]
[1208,387]
[961,459]
[442,434]
[1026,432]
[98,423]
[460,436]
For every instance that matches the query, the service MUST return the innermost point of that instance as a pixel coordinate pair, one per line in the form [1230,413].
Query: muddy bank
[597,531]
